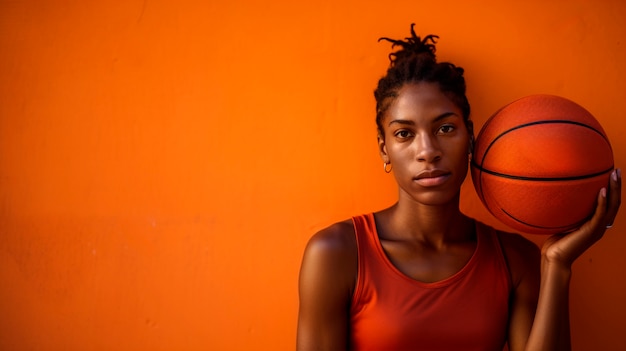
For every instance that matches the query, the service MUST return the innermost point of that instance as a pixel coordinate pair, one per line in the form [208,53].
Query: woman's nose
[428,149]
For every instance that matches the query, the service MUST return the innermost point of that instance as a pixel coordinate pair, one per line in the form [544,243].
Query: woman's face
[427,142]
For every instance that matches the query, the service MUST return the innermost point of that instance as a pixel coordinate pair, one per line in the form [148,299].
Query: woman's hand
[564,249]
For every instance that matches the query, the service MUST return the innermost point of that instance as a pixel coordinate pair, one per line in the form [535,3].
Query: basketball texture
[539,163]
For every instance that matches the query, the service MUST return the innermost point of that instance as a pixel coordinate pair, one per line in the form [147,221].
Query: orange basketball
[539,163]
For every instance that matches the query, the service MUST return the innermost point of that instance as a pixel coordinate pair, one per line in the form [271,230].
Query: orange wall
[163,163]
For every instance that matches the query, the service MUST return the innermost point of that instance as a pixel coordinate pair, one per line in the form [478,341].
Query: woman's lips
[431,178]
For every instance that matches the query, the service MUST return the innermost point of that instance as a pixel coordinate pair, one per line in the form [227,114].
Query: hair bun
[413,46]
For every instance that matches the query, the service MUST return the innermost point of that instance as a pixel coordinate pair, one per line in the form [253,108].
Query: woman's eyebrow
[409,122]
[446,115]
[402,121]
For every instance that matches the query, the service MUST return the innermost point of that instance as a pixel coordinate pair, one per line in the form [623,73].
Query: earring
[385,167]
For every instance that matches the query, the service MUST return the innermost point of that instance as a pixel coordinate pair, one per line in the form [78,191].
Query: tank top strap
[490,237]
[364,226]
[367,246]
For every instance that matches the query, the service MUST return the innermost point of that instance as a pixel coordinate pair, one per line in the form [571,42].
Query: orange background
[163,163]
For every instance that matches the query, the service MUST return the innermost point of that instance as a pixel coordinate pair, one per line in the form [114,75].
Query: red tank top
[391,311]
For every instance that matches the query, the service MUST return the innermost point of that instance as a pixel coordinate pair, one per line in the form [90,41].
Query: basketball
[539,163]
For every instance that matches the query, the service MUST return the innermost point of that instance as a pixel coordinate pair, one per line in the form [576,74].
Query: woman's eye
[446,129]
[403,134]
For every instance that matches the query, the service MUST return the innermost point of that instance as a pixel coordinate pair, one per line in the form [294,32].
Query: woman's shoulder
[517,243]
[523,256]
[336,239]
[330,260]
[512,243]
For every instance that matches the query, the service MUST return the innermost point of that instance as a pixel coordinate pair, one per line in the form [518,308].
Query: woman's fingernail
[603,192]
[614,175]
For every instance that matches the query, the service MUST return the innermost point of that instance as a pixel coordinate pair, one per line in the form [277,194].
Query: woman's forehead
[421,100]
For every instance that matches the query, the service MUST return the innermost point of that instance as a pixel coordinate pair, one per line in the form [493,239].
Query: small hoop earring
[385,167]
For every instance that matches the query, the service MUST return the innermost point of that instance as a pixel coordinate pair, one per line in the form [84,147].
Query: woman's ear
[382,148]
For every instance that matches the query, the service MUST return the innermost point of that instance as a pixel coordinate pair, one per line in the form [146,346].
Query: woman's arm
[550,328]
[523,258]
[327,279]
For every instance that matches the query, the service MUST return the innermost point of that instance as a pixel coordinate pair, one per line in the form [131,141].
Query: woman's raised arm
[550,328]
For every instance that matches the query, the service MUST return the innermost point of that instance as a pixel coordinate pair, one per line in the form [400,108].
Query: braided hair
[416,62]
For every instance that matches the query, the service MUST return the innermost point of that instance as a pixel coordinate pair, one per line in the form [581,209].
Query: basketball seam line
[538,226]
[548,179]
[551,121]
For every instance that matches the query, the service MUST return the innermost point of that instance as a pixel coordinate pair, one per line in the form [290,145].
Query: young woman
[420,275]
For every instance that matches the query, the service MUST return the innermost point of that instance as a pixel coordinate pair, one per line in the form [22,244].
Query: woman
[420,275]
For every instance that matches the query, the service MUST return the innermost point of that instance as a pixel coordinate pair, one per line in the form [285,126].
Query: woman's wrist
[552,266]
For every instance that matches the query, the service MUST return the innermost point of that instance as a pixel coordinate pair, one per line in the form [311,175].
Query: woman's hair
[415,62]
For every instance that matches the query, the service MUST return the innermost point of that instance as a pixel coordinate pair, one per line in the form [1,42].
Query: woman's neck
[436,224]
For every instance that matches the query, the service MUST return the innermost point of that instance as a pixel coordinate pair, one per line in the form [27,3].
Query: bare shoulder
[336,243]
[337,234]
[522,255]
[516,243]
[330,260]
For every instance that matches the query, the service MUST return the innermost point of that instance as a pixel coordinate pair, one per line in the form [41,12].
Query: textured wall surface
[163,163]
